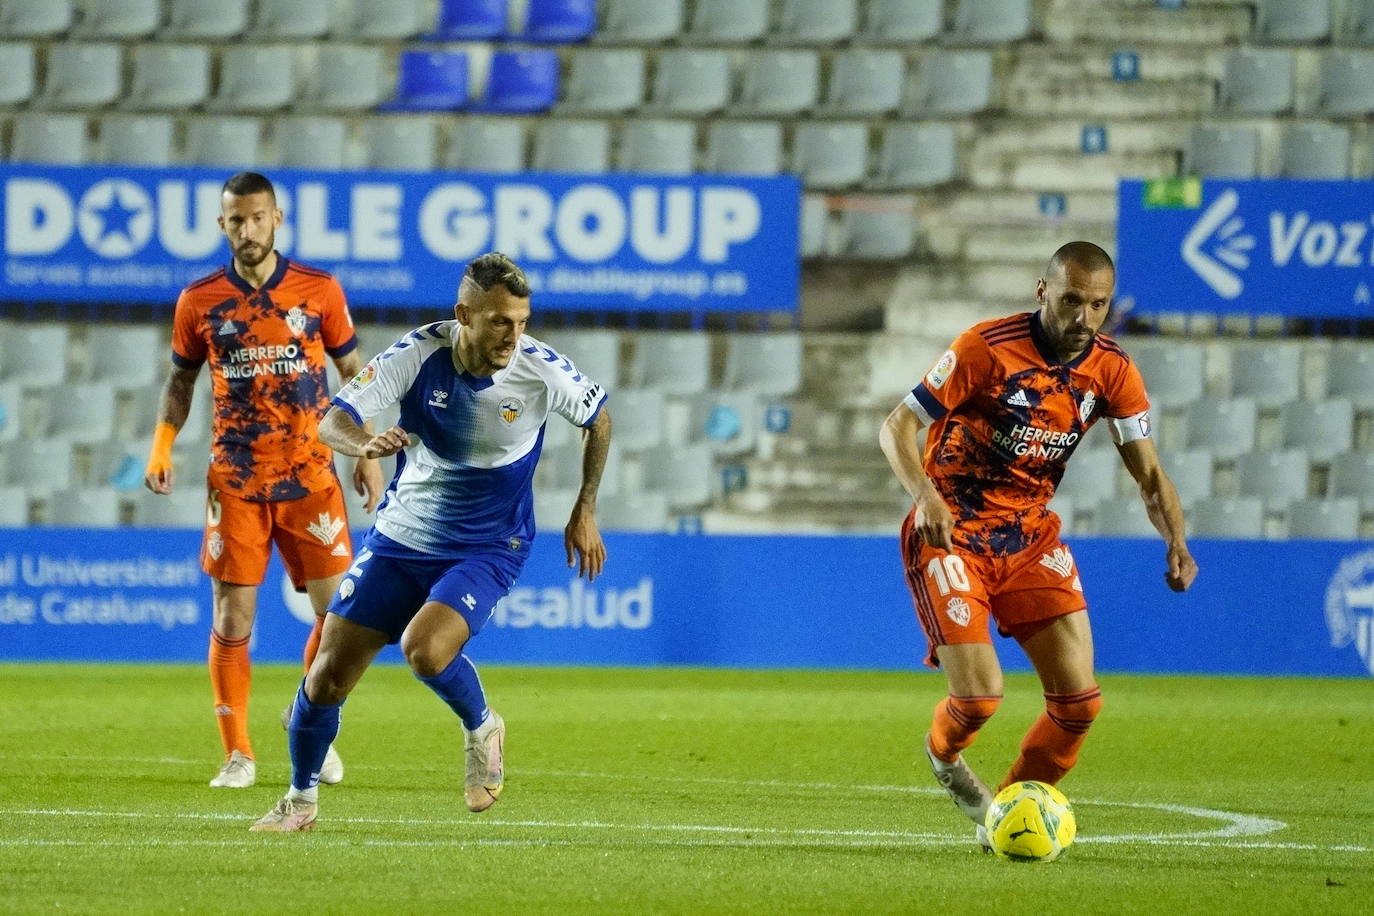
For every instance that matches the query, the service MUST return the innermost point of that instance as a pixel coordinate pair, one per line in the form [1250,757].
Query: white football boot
[238,772]
[287,816]
[962,784]
[484,776]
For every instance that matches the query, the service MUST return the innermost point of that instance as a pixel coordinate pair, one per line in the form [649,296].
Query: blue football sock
[313,728]
[459,686]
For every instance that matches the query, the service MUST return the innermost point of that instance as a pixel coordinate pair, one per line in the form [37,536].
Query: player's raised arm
[1163,507]
[341,432]
[581,537]
[173,407]
[897,438]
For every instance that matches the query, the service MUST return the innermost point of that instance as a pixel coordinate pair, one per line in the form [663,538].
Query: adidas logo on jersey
[1019,399]
[228,327]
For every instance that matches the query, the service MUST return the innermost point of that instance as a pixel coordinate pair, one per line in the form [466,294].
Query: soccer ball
[1030,822]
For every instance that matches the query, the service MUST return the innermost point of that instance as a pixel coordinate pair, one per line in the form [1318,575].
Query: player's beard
[251,254]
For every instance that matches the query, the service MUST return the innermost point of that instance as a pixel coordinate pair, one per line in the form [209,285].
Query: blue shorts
[388,583]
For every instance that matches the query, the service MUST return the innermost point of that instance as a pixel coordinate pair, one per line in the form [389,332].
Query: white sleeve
[381,383]
[572,395]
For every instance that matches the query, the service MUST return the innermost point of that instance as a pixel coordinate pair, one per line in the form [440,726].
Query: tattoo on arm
[174,406]
[596,445]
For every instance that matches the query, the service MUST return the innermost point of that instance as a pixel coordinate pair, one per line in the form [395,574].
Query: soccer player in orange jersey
[265,324]
[1005,407]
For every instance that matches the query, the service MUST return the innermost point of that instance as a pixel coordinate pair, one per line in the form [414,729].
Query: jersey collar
[1042,345]
[247,288]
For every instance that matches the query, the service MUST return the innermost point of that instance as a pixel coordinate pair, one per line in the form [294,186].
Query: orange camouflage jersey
[266,348]
[1005,414]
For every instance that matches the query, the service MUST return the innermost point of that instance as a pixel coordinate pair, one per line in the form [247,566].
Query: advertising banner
[605,242]
[1261,246]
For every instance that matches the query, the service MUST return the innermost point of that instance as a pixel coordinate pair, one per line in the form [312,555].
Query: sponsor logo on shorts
[339,550]
[958,610]
[345,589]
[326,528]
[514,543]
[511,409]
[1059,559]
[214,544]
[939,374]
[1077,584]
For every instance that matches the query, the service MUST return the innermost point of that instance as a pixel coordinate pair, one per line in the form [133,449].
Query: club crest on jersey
[438,398]
[1085,407]
[511,409]
[957,610]
[939,374]
[295,321]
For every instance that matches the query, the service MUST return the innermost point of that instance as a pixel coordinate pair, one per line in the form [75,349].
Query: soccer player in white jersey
[455,527]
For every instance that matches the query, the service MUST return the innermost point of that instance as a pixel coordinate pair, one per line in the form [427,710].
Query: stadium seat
[595,352]
[206,18]
[1121,516]
[679,362]
[169,76]
[830,155]
[405,142]
[40,466]
[521,82]
[83,75]
[135,140]
[991,22]
[817,22]
[1214,151]
[82,414]
[1324,428]
[255,77]
[1258,81]
[727,421]
[222,141]
[815,226]
[1350,374]
[1276,477]
[35,18]
[349,77]
[430,81]
[684,474]
[14,507]
[604,81]
[1226,428]
[658,147]
[769,364]
[691,82]
[1222,517]
[646,512]
[950,83]
[640,23]
[310,142]
[487,145]
[384,20]
[902,22]
[12,410]
[728,21]
[1270,374]
[744,148]
[1315,151]
[778,83]
[34,355]
[279,20]
[125,357]
[1347,83]
[1190,471]
[58,139]
[865,83]
[914,155]
[1325,519]
[1067,510]
[882,229]
[86,507]
[117,18]
[638,418]
[470,20]
[582,147]
[1091,476]
[553,506]
[559,21]
[1173,371]
[1303,22]
[1359,22]
[17,82]
[184,507]
[1352,474]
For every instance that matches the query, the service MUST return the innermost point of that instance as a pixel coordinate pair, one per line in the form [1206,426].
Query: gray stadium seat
[1352,474]
[744,148]
[14,507]
[349,77]
[991,22]
[34,355]
[135,140]
[778,83]
[1323,428]
[1300,22]
[311,142]
[903,22]
[35,18]
[916,156]
[1271,374]
[641,23]
[1258,81]
[1091,476]
[1222,152]
[878,229]
[1122,516]
[405,142]
[646,512]
[82,414]
[679,362]
[12,410]
[1359,22]
[385,20]
[223,141]
[1190,471]
[84,507]
[684,474]
[1325,519]
[118,18]
[604,81]
[125,357]
[865,82]
[727,421]
[728,21]
[1350,374]
[582,147]
[950,83]
[691,82]
[169,76]
[831,155]
[184,507]
[59,139]
[1347,83]
[1222,517]
[769,364]
[1226,428]
[552,507]
[256,78]
[658,147]
[638,418]
[206,18]
[815,226]
[1173,371]
[285,19]
[595,352]
[17,83]
[817,22]
[83,75]
[1315,151]
[1276,477]
[40,466]
[490,145]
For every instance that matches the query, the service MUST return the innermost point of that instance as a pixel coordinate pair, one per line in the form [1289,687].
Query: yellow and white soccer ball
[1030,822]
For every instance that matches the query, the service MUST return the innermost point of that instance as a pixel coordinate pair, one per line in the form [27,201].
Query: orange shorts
[955,592]
[311,533]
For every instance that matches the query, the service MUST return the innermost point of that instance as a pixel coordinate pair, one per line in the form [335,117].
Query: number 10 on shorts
[948,573]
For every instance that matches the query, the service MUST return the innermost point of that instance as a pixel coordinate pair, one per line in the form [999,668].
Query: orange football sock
[231,675]
[1050,748]
[956,723]
[312,642]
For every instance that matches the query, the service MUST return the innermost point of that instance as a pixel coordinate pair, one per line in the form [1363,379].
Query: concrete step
[1107,98]
[1072,21]
[1042,170]
[1137,136]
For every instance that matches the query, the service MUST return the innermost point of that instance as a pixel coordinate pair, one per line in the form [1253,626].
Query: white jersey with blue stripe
[466,477]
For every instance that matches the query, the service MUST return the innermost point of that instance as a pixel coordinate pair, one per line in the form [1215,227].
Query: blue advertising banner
[1263,246]
[1276,608]
[612,242]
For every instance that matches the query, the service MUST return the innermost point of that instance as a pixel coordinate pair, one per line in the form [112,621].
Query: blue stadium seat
[559,21]
[169,76]
[470,20]
[430,81]
[1315,150]
[521,82]
[17,83]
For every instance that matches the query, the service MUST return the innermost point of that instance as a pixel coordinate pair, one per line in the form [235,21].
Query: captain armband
[1129,429]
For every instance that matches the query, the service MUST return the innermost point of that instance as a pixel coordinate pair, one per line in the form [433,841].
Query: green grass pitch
[679,791]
